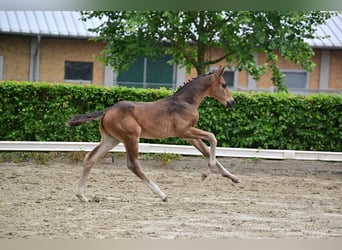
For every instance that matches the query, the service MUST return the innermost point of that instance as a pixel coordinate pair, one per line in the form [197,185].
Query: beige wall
[335,70]
[55,51]
[335,80]
[242,77]
[15,51]
[266,82]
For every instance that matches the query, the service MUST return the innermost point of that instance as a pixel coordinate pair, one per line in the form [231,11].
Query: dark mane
[186,84]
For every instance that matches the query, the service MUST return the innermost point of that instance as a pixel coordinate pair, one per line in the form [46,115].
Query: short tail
[84,119]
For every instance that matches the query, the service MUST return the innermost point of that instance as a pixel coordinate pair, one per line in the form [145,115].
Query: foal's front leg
[194,136]
[197,143]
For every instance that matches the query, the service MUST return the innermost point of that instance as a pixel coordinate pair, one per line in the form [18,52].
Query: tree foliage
[189,36]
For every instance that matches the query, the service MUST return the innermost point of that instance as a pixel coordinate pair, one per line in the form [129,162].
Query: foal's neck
[193,92]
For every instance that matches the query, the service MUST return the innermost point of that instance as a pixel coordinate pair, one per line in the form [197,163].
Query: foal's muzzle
[230,103]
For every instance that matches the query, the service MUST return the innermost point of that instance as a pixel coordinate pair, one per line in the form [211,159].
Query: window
[78,71]
[229,76]
[148,73]
[295,79]
[134,76]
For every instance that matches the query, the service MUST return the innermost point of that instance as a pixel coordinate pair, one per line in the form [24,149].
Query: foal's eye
[224,85]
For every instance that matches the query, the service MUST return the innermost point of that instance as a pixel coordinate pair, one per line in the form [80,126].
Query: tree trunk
[201,47]
[200,68]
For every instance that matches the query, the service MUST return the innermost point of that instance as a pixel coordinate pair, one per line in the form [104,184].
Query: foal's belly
[157,133]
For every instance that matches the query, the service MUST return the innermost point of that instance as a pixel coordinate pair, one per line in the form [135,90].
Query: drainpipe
[109,76]
[324,70]
[1,67]
[35,58]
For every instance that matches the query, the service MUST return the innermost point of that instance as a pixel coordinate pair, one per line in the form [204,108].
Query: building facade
[54,46]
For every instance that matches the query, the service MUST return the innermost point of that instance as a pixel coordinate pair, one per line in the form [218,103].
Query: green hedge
[38,111]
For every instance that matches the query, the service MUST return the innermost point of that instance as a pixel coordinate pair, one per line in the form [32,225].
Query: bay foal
[173,116]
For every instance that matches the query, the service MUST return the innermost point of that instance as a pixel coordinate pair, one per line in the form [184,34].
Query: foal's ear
[219,71]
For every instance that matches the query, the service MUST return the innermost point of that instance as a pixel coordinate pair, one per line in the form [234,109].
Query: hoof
[164,199]
[95,199]
[236,180]
[204,176]
[82,198]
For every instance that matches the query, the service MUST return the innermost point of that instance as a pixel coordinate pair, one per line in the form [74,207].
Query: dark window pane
[229,78]
[295,80]
[159,72]
[134,76]
[78,71]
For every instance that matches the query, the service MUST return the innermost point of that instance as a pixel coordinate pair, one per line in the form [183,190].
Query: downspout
[324,71]
[35,58]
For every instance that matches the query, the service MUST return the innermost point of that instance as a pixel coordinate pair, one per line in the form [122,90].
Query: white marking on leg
[212,156]
[79,191]
[224,172]
[82,181]
[155,189]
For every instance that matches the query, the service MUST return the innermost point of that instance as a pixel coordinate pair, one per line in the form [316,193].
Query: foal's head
[219,89]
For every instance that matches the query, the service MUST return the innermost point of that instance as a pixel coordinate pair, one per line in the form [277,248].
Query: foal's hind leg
[199,144]
[106,144]
[134,165]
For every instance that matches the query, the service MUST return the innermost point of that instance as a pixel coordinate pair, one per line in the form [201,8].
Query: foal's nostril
[230,103]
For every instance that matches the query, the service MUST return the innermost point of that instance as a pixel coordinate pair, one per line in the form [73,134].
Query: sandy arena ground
[276,199]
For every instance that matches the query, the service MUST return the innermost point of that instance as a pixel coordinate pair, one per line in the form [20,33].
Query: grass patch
[165,158]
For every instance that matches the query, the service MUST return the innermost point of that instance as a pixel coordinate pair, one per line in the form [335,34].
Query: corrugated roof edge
[47,23]
[69,24]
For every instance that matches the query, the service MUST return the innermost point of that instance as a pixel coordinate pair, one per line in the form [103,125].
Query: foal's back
[163,118]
